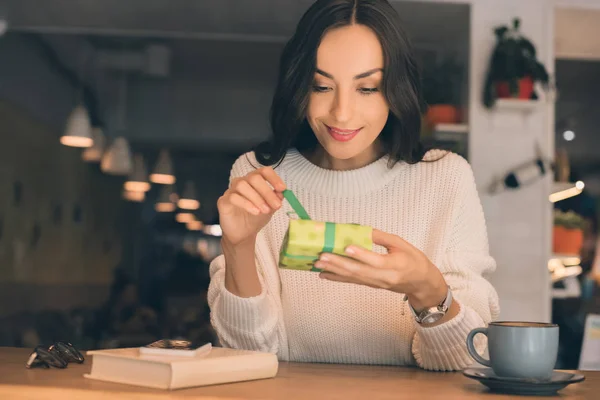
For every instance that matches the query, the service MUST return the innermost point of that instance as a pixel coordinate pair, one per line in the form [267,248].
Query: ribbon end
[295,204]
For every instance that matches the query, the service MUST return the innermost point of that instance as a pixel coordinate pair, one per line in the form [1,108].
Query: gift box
[306,239]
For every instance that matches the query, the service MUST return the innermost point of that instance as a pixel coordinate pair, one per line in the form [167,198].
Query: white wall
[519,223]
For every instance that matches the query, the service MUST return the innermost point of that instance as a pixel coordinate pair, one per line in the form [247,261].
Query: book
[175,348]
[220,365]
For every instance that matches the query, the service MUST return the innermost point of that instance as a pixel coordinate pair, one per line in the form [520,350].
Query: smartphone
[176,347]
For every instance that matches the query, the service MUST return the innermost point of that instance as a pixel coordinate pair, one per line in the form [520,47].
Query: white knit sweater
[433,205]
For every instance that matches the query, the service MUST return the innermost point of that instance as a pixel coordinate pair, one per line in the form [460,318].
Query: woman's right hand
[248,205]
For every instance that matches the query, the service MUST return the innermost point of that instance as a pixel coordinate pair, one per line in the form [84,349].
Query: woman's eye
[368,90]
[320,89]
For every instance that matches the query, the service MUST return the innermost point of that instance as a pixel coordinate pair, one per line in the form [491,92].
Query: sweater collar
[300,172]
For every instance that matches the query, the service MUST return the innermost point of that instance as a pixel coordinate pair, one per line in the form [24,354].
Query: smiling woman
[365,69]
[346,104]
[346,119]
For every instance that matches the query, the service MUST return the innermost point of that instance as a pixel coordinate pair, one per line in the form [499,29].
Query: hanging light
[3,25]
[188,199]
[185,217]
[195,225]
[138,180]
[95,152]
[117,159]
[78,132]
[163,171]
[167,200]
[136,197]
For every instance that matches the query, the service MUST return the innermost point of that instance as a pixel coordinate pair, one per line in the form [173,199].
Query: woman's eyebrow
[359,76]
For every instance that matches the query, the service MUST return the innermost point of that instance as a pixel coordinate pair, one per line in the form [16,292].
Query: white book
[220,365]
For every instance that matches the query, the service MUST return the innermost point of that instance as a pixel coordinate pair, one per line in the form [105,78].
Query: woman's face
[346,109]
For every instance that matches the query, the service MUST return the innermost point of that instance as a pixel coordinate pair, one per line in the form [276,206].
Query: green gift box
[306,239]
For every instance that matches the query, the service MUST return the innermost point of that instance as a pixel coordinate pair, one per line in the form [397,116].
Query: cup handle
[471,347]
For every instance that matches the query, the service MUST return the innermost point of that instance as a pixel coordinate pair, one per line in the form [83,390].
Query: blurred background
[120,120]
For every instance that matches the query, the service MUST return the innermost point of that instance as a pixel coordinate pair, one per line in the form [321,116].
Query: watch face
[433,317]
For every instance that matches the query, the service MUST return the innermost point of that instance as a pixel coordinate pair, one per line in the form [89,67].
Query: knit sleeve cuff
[443,347]
[244,313]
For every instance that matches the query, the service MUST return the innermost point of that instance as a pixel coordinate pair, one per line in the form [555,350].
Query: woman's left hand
[404,269]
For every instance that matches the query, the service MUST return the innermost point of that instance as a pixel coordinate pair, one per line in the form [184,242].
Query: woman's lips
[342,135]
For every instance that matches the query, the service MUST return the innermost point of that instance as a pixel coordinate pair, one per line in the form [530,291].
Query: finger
[332,268]
[348,264]
[246,190]
[243,203]
[366,256]
[348,267]
[389,241]
[385,278]
[271,176]
[258,182]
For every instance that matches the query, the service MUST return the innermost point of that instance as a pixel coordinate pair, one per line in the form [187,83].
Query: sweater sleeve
[242,323]
[465,267]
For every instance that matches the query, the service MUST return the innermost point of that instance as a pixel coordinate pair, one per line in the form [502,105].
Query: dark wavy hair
[401,80]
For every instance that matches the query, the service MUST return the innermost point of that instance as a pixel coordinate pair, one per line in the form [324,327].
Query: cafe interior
[120,121]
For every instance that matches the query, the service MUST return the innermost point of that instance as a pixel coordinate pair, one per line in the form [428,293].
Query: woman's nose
[343,108]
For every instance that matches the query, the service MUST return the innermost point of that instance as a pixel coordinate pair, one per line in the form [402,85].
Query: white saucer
[558,381]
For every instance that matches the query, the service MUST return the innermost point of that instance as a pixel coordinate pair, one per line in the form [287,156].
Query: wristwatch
[432,314]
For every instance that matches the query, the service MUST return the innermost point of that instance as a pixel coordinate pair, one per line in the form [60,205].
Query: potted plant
[441,88]
[514,68]
[567,235]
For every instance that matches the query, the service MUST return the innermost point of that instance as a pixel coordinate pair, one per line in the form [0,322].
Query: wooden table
[293,381]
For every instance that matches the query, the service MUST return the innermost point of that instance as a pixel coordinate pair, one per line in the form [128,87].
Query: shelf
[567,259]
[525,106]
[450,132]
[452,137]
[455,128]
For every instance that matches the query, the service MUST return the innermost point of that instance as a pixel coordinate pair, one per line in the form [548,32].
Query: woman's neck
[321,158]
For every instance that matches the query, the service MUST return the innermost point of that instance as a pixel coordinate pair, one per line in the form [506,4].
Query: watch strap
[442,308]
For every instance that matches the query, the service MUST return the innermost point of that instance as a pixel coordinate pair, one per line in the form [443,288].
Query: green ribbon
[329,241]
[329,237]
[298,209]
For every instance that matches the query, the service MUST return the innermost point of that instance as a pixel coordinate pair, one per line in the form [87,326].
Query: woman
[346,120]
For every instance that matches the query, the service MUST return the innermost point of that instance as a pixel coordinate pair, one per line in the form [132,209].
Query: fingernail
[350,250]
[324,257]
